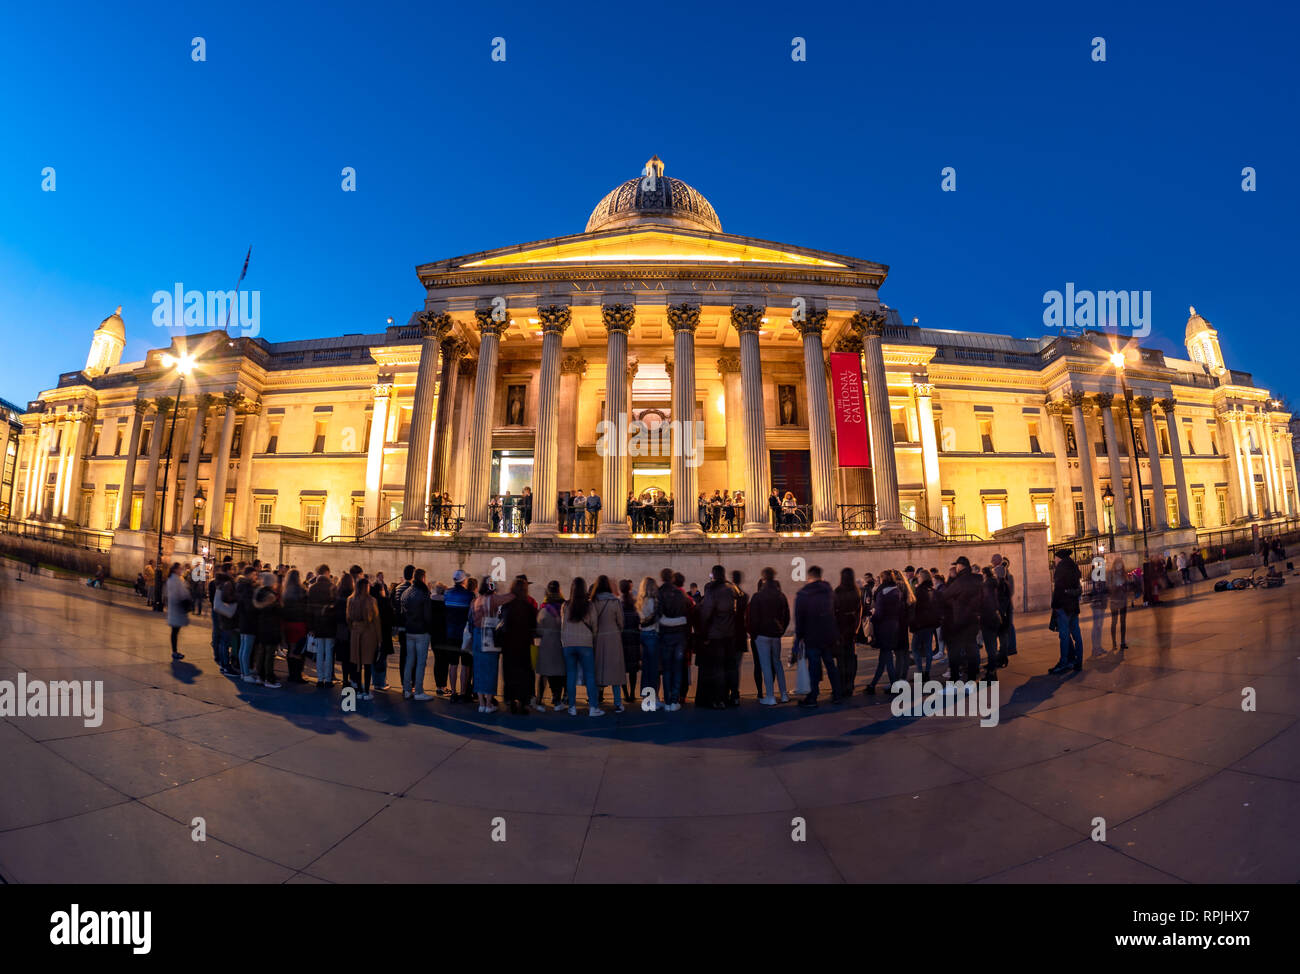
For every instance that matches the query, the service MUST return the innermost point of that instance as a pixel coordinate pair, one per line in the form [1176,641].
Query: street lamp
[1108,497]
[200,499]
[184,365]
[1117,359]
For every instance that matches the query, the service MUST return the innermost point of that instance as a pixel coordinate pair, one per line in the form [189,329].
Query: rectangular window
[311,520]
[986,435]
[145,435]
[1164,441]
[1171,508]
[265,513]
[1198,509]
[1191,441]
[117,450]
[111,512]
[94,446]
[993,515]
[1146,512]
[318,445]
[237,441]
[404,425]
[1223,506]
[1043,512]
[1079,521]
[1033,437]
[899,417]
[137,507]
[1214,444]
[273,442]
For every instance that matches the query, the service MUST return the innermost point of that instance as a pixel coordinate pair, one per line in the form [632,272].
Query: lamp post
[1117,359]
[200,499]
[184,366]
[1108,497]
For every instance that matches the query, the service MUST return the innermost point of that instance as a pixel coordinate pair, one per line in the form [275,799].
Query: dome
[671,202]
[1196,324]
[113,325]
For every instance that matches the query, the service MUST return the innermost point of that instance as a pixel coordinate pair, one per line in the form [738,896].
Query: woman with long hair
[550,648]
[631,635]
[925,620]
[294,616]
[847,606]
[578,633]
[176,595]
[1118,597]
[342,634]
[363,633]
[608,650]
[487,661]
[887,617]
[788,507]
[647,608]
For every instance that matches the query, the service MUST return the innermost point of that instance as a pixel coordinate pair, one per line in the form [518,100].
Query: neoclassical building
[709,346]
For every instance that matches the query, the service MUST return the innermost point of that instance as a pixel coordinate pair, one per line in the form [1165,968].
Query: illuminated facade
[655,317]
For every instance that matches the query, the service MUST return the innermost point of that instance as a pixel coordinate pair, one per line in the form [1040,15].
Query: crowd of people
[622,640]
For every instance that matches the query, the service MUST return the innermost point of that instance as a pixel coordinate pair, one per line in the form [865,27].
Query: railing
[795,520]
[444,517]
[714,520]
[71,535]
[511,517]
[221,549]
[362,528]
[651,519]
[858,517]
[913,524]
[1224,543]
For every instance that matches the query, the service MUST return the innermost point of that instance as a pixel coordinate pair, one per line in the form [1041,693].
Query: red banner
[851,436]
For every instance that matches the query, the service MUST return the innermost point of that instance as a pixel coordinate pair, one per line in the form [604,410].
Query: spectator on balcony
[593,511]
[774,506]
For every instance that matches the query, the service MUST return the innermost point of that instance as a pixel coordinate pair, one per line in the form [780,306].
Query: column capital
[632,365]
[870,323]
[668,366]
[163,404]
[1104,399]
[434,325]
[728,362]
[383,385]
[1074,399]
[813,323]
[618,317]
[923,388]
[452,348]
[204,400]
[683,317]
[850,341]
[1144,403]
[555,318]
[573,364]
[1168,404]
[467,366]
[747,318]
[251,407]
[232,398]
[141,406]
[487,325]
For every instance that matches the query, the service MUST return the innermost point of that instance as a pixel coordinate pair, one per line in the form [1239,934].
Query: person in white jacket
[176,595]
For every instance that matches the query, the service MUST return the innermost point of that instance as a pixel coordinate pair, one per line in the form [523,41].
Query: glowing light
[1117,359]
[722,403]
[183,364]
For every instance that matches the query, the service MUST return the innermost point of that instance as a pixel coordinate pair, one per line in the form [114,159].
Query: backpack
[673,604]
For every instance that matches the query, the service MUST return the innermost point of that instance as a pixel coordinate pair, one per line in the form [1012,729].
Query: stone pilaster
[1176,452]
[883,462]
[1104,402]
[555,321]
[684,319]
[127,493]
[148,508]
[201,404]
[481,418]
[434,327]
[1159,507]
[221,466]
[1074,401]
[821,444]
[242,523]
[381,398]
[618,319]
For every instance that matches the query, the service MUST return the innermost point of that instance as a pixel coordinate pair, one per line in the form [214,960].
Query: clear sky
[1122,174]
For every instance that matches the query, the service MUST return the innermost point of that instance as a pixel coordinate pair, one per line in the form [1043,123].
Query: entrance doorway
[792,471]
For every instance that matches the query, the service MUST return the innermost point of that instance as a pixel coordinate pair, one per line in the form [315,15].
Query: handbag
[467,640]
[802,680]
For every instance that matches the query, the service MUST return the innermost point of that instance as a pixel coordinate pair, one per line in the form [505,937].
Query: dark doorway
[792,471]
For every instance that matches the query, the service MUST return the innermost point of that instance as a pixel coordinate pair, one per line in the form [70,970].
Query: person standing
[925,619]
[674,627]
[417,612]
[526,508]
[593,510]
[550,648]
[342,633]
[294,617]
[363,633]
[718,631]
[320,601]
[519,625]
[608,644]
[960,614]
[767,619]
[887,618]
[1118,598]
[176,595]
[266,606]
[774,508]
[848,619]
[814,627]
[647,607]
[247,616]
[990,621]
[631,636]
[578,512]
[739,641]
[487,654]
[1066,592]
[456,604]
[578,633]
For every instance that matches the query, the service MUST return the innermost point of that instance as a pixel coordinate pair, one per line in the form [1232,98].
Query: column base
[542,529]
[468,530]
[890,525]
[758,529]
[689,530]
[826,528]
[613,529]
[410,526]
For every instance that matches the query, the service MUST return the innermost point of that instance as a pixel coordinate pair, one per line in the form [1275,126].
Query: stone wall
[1025,545]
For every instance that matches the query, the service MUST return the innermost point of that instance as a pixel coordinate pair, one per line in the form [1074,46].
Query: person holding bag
[550,648]
[578,633]
[487,654]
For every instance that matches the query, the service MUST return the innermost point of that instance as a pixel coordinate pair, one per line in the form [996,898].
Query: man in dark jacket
[1066,591]
[742,643]
[718,628]
[767,619]
[960,603]
[417,610]
[674,626]
[399,616]
[814,626]
[774,508]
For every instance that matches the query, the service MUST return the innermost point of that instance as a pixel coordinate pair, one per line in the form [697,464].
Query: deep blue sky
[1117,175]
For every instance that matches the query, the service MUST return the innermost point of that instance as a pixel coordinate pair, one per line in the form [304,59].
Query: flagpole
[235,303]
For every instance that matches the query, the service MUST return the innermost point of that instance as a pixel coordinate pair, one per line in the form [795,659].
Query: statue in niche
[515,406]
[785,401]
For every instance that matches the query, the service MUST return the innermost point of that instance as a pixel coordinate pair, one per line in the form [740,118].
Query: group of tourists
[624,641]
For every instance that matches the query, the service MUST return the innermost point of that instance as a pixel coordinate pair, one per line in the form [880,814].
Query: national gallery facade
[657,361]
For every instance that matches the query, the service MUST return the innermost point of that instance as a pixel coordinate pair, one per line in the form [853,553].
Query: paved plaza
[1191,787]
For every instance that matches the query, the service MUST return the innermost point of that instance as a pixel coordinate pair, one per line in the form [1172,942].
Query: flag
[245,270]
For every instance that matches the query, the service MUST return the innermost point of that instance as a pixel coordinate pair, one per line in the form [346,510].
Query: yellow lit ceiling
[652,245]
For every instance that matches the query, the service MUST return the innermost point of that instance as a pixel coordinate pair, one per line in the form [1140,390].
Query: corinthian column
[132,452]
[1064,524]
[1266,460]
[64,437]
[1180,475]
[825,516]
[163,406]
[382,392]
[555,321]
[221,466]
[1244,463]
[618,320]
[883,463]
[453,350]
[684,319]
[747,321]
[1159,507]
[241,519]
[201,405]
[929,448]
[1075,401]
[481,418]
[415,496]
[77,433]
[1104,401]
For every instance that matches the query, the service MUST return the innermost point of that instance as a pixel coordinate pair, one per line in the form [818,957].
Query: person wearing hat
[960,603]
[456,604]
